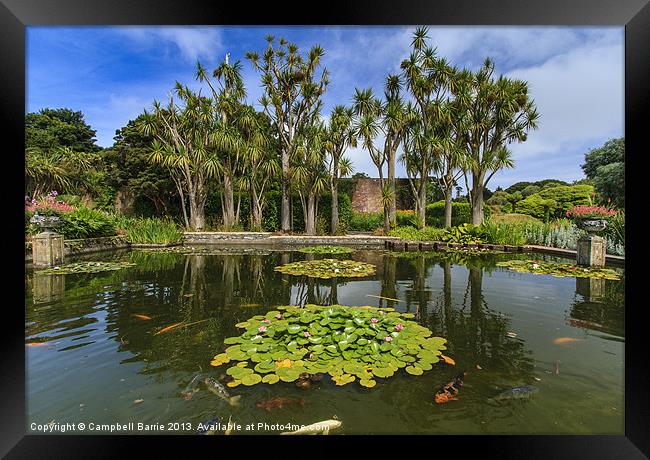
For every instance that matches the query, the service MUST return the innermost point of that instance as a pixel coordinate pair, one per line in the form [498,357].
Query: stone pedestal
[47,249]
[591,251]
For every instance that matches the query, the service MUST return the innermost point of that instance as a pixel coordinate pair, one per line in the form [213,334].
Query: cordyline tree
[308,171]
[340,135]
[235,134]
[389,118]
[492,114]
[431,143]
[291,97]
[182,143]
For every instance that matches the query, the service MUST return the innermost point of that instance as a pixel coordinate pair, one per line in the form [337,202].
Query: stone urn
[593,226]
[45,223]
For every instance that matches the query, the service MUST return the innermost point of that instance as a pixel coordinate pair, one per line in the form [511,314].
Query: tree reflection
[599,305]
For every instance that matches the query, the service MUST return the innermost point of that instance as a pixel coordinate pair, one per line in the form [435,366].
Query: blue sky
[112,73]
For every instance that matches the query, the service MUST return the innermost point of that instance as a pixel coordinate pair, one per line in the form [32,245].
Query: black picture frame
[15,15]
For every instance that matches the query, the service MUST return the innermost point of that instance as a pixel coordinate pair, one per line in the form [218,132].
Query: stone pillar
[591,251]
[47,249]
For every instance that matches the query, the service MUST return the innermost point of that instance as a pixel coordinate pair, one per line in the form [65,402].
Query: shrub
[465,233]
[413,234]
[554,202]
[153,231]
[460,213]
[86,223]
[503,233]
[511,218]
[366,221]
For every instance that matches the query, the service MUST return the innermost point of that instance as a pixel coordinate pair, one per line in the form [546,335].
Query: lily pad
[326,250]
[335,345]
[85,267]
[327,268]
[539,267]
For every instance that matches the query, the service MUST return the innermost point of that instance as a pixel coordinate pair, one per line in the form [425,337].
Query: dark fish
[218,389]
[279,403]
[524,392]
[191,387]
[449,391]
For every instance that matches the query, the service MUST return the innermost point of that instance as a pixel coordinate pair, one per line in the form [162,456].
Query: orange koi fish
[36,344]
[561,340]
[168,328]
[144,317]
[449,391]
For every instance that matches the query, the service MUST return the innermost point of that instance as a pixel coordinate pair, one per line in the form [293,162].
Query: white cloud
[191,42]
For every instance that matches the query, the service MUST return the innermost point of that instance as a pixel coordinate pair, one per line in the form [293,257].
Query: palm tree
[492,114]
[291,98]
[339,136]
[309,174]
[60,168]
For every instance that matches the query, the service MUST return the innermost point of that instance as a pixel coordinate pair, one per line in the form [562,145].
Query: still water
[102,365]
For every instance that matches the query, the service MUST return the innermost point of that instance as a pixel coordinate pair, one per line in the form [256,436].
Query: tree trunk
[310,215]
[197,214]
[285,226]
[228,203]
[448,207]
[335,206]
[422,203]
[256,211]
[477,199]
[392,209]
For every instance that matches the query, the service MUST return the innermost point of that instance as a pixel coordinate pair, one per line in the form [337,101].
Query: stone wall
[366,196]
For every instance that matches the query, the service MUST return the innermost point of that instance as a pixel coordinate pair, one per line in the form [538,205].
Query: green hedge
[554,202]
[461,213]
[86,223]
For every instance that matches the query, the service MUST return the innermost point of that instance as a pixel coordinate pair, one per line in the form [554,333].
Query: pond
[98,360]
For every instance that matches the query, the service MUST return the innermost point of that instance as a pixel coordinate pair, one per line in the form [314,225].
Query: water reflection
[100,334]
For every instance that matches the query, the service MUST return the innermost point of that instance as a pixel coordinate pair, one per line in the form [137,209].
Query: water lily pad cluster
[85,267]
[348,343]
[561,270]
[327,268]
[326,250]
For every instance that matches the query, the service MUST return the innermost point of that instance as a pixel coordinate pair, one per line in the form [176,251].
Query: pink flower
[388,338]
[266,321]
[399,327]
[278,316]
[261,329]
[307,334]
[374,320]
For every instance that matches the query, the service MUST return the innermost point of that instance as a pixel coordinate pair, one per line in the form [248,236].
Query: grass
[152,231]
[512,218]
[413,234]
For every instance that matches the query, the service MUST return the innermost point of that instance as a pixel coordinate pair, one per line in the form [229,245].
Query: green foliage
[503,233]
[152,231]
[59,128]
[366,221]
[413,234]
[540,184]
[86,223]
[465,234]
[460,213]
[348,343]
[554,202]
[606,167]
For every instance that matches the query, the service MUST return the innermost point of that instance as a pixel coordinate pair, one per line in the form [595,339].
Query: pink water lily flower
[278,316]
[261,329]
[374,320]
[399,327]
[266,321]
[388,338]
[307,334]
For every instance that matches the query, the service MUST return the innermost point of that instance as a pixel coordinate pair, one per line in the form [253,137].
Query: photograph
[344,229]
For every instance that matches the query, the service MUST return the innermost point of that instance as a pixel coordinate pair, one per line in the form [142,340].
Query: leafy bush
[460,213]
[413,234]
[153,231]
[503,233]
[511,218]
[465,233]
[86,223]
[554,202]
[366,221]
